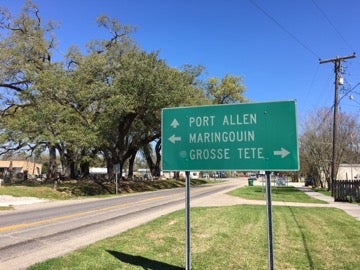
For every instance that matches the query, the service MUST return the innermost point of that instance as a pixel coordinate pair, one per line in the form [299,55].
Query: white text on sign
[228,120]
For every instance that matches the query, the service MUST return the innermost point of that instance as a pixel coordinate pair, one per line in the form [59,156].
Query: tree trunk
[149,161]
[73,170]
[85,168]
[157,171]
[52,162]
[65,162]
[329,182]
[131,166]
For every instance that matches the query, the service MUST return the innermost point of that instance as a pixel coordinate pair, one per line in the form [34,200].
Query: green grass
[71,190]
[323,191]
[232,237]
[45,192]
[285,194]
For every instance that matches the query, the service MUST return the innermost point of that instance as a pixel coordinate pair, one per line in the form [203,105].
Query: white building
[182,174]
[348,172]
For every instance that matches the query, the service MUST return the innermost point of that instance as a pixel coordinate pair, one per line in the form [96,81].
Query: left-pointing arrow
[174,139]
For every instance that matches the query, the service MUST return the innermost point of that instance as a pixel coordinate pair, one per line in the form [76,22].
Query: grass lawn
[232,237]
[323,191]
[285,194]
[81,189]
[45,192]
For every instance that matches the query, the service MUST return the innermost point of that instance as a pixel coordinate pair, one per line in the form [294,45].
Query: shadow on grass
[303,237]
[275,189]
[285,190]
[143,262]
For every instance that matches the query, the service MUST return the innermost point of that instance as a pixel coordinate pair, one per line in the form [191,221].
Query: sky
[275,46]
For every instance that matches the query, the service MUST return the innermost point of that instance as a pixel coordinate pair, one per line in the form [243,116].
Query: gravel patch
[7,200]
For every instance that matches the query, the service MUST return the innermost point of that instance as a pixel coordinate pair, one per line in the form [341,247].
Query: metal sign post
[188,224]
[270,222]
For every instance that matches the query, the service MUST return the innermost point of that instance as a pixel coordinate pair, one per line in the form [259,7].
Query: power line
[309,88]
[284,29]
[349,91]
[332,25]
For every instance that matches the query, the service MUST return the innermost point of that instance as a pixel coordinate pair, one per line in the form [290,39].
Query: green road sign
[243,137]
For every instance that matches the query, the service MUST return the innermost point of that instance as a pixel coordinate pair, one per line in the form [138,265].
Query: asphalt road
[34,233]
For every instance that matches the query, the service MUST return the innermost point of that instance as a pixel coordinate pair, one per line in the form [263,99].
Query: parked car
[309,181]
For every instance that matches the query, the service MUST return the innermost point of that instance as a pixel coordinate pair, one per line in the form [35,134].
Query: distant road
[38,232]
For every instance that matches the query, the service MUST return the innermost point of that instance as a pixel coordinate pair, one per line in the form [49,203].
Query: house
[348,172]
[19,168]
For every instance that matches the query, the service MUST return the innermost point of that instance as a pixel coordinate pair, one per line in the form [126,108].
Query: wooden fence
[346,190]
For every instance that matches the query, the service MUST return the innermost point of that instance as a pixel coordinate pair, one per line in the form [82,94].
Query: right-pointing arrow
[283,152]
[174,139]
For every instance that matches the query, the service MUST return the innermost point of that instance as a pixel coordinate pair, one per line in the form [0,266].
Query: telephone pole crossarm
[337,59]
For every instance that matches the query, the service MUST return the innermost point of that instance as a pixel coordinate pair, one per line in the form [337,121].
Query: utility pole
[337,69]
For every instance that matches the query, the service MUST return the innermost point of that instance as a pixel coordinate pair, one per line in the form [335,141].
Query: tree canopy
[104,103]
[316,144]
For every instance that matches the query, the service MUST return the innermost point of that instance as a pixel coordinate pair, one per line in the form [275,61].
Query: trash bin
[251,182]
